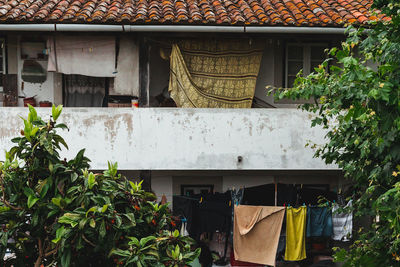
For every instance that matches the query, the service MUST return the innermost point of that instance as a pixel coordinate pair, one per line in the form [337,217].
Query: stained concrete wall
[183,139]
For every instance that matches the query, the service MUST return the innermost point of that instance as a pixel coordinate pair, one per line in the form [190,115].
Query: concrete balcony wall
[183,139]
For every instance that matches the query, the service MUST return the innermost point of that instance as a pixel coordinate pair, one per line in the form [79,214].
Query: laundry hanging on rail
[214,74]
[256,233]
[319,222]
[295,233]
[342,223]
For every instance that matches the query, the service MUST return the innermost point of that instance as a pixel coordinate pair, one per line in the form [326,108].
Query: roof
[331,13]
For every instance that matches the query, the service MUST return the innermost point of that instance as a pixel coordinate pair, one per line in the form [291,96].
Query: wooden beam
[144,73]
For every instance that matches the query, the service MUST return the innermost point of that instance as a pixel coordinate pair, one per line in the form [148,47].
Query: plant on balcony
[54,212]
[360,108]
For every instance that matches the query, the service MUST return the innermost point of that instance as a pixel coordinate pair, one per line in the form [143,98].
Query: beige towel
[256,233]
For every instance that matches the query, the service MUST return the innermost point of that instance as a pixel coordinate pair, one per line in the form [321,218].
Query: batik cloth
[214,74]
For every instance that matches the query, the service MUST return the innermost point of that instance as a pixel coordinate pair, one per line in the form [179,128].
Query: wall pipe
[169,28]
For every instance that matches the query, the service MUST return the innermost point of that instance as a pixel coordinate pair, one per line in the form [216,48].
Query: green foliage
[360,108]
[56,212]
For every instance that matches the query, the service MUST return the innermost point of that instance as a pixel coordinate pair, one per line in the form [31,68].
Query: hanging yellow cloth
[295,234]
[214,74]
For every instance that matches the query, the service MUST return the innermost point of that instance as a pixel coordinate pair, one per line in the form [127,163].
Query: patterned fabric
[214,74]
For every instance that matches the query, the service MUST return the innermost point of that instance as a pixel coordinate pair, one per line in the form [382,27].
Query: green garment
[295,234]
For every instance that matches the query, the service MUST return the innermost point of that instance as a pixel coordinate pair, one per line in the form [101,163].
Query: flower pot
[29,100]
[45,104]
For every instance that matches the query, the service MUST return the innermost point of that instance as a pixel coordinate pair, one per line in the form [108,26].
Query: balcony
[183,139]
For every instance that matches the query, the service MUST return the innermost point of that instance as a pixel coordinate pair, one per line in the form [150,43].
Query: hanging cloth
[84,91]
[214,74]
[127,77]
[256,233]
[342,223]
[295,234]
[83,55]
[319,222]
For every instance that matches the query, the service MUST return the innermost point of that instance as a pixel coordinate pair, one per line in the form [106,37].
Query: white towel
[342,223]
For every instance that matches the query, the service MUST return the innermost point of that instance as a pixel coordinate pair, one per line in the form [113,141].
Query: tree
[56,212]
[360,106]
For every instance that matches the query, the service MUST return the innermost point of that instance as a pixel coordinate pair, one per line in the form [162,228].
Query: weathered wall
[183,139]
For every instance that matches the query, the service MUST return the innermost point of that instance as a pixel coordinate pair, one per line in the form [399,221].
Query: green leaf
[91,180]
[92,223]
[66,258]
[102,230]
[32,116]
[92,209]
[175,233]
[70,218]
[104,208]
[74,176]
[145,240]
[56,111]
[31,201]
[57,201]
[59,234]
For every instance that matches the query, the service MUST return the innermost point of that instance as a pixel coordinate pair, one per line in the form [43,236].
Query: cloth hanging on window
[319,222]
[126,81]
[256,233]
[295,233]
[214,74]
[342,223]
[84,55]
[84,91]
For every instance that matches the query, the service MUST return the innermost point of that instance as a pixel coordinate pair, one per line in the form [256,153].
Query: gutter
[170,28]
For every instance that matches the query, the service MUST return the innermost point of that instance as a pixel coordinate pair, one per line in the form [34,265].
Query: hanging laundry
[256,233]
[261,195]
[236,199]
[214,74]
[342,223]
[319,222]
[83,55]
[295,233]
[184,207]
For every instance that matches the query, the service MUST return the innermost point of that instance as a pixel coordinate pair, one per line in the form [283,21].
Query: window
[304,57]
[2,62]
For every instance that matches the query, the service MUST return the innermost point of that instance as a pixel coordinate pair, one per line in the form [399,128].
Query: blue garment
[319,222]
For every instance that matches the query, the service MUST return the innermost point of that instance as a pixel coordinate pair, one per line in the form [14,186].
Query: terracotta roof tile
[226,12]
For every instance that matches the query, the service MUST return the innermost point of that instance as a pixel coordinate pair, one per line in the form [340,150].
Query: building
[125,48]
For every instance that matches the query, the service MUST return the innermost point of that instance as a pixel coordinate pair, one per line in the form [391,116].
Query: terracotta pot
[45,104]
[29,100]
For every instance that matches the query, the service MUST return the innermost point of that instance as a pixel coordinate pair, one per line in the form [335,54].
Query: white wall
[183,139]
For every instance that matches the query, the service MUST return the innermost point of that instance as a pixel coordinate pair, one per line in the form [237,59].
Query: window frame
[306,58]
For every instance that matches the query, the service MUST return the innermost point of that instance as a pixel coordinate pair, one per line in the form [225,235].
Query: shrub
[54,212]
